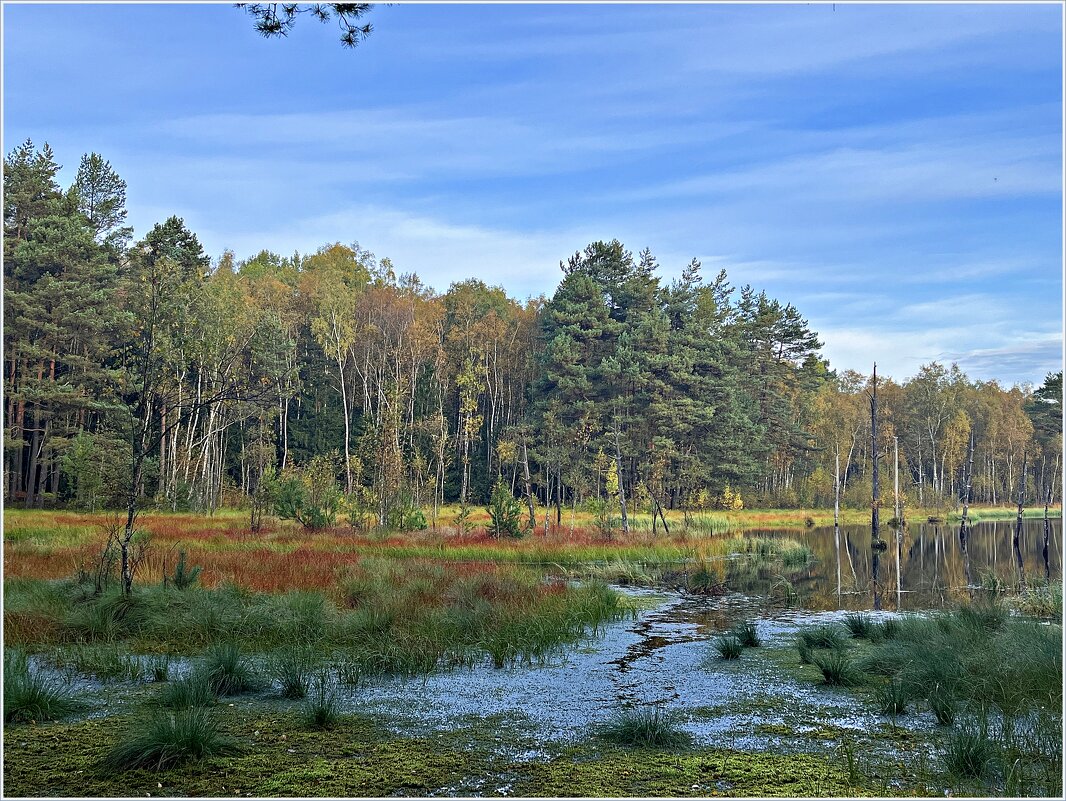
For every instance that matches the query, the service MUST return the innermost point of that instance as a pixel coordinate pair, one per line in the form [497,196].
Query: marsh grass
[825,636]
[860,625]
[291,669]
[171,739]
[193,690]
[970,753]
[320,706]
[30,696]
[892,698]
[728,647]
[747,633]
[106,662]
[838,669]
[645,728]
[228,672]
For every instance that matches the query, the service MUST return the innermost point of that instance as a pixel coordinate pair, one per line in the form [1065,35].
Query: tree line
[144,368]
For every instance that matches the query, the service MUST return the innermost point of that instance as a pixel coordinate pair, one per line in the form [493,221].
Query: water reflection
[933,565]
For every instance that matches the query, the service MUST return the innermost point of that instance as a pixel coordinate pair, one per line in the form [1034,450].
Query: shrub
[169,740]
[320,706]
[505,512]
[184,577]
[228,673]
[728,647]
[747,634]
[33,696]
[837,668]
[644,728]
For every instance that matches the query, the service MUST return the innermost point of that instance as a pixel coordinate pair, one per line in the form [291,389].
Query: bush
[728,647]
[32,696]
[747,634]
[837,668]
[184,577]
[169,740]
[228,673]
[505,512]
[644,728]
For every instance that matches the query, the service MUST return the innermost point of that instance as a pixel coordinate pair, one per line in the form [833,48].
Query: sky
[893,171]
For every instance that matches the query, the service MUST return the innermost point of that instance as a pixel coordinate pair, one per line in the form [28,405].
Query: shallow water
[926,566]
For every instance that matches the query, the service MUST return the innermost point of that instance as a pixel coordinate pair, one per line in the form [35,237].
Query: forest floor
[458,665]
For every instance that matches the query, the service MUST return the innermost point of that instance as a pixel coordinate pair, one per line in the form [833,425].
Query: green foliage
[291,669]
[644,727]
[747,633]
[970,753]
[310,495]
[837,668]
[171,739]
[505,512]
[227,671]
[728,647]
[30,696]
[184,577]
[193,690]
[320,705]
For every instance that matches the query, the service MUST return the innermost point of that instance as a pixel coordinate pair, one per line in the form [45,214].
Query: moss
[703,773]
[356,758]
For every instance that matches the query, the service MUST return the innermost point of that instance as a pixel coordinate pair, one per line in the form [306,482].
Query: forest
[333,385]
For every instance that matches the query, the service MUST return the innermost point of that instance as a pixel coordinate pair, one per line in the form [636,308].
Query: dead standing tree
[876,545]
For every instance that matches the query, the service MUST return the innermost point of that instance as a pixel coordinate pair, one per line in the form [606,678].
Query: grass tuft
[33,696]
[728,647]
[838,669]
[228,672]
[970,754]
[892,698]
[194,690]
[169,740]
[825,636]
[748,634]
[644,728]
[320,705]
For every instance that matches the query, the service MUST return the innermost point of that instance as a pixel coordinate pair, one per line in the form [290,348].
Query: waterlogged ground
[525,730]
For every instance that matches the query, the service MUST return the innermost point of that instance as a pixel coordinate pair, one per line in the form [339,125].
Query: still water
[925,566]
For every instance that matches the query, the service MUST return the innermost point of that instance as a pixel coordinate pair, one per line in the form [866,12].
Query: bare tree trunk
[621,483]
[528,487]
[1018,523]
[836,518]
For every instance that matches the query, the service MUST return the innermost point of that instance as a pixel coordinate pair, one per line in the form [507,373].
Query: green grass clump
[228,672]
[644,728]
[104,661]
[291,669]
[970,754]
[748,634]
[171,739]
[320,705]
[859,625]
[728,647]
[159,668]
[824,636]
[892,698]
[194,690]
[33,696]
[838,669]
[943,705]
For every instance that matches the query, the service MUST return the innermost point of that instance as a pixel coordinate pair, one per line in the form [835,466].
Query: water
[927,567]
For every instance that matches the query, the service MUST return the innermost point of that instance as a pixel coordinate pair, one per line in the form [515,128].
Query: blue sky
[895,171]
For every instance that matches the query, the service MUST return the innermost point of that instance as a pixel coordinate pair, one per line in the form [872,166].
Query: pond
[926,566]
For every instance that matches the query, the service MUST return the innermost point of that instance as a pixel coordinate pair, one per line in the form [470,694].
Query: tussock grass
[861,626]
[171,739]
[644,728]
[892,698]
[228,672]
[320,705]
[291,669]
[107,662]
[824,636]
[32,696]
[970,754]
[838,669]
[747,633]
[728,647]
[194,690]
